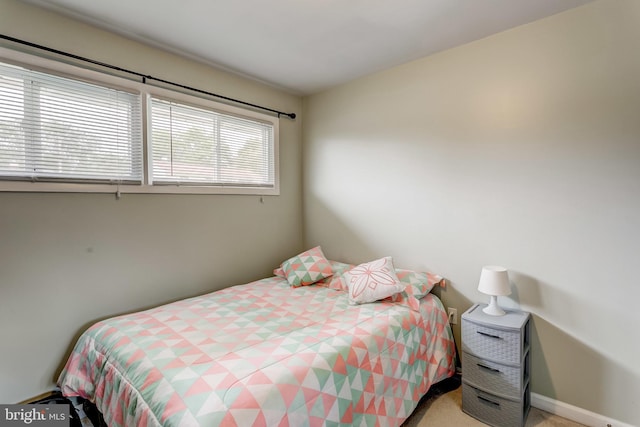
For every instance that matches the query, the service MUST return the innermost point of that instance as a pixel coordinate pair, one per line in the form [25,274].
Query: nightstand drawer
[492,343]
[494,377]
[492,409]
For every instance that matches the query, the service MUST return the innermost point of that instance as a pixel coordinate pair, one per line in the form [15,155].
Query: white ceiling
[305,46]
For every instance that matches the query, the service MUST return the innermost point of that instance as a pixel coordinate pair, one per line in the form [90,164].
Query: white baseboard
[573,413]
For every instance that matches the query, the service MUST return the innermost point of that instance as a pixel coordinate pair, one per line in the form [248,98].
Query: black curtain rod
[144,76]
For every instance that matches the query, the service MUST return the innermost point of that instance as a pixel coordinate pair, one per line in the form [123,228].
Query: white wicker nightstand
[496,366]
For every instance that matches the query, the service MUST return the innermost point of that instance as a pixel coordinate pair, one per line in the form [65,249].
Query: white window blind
[59,129]
[199,146]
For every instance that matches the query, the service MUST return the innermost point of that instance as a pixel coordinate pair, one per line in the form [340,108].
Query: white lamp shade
[494,280]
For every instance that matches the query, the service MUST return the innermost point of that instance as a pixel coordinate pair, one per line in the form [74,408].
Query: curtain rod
[144,76]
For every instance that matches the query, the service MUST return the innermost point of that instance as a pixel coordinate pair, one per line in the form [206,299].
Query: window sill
[50,187]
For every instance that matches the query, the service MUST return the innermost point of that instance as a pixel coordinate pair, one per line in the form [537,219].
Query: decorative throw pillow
[418,286]
[279,272]
[337,280]
[372,281]
[307,268]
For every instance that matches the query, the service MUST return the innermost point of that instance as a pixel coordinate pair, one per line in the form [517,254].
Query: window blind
[198,146]
[54,128]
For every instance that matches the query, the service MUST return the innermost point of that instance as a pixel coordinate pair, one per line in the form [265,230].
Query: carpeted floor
[442,407]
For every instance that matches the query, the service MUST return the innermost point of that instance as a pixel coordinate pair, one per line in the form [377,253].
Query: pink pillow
[337,280]
[306,268]
[418,285]
[372,281]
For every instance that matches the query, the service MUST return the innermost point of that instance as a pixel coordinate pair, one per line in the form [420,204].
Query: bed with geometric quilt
[274,352]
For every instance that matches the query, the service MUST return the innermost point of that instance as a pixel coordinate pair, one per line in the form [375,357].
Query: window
[65,128]
[54,128]
[204,147]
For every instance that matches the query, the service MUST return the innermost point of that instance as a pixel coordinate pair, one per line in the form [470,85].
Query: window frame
[146,91]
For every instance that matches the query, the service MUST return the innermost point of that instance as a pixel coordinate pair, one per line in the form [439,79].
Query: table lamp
[494,281]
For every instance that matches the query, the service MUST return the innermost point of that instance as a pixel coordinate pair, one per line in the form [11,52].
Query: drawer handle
[489,335]
[488,368]
[491,402]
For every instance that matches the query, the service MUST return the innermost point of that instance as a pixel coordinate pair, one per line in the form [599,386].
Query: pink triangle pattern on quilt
[263,354]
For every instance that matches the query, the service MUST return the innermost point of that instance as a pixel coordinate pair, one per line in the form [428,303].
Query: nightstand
[496,364]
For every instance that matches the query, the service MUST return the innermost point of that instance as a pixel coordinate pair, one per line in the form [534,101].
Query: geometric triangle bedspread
[263,354]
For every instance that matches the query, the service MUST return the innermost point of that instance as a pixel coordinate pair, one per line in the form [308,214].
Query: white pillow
[372,281]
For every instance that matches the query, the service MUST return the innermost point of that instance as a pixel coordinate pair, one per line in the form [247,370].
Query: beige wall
[69,259]
[521,149]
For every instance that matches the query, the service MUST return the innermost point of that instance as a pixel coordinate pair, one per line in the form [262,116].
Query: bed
[264,354]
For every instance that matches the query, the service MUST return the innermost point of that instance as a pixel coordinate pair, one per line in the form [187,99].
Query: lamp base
[493,309]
